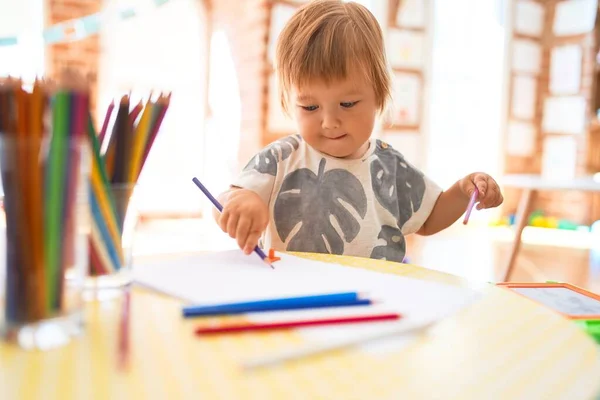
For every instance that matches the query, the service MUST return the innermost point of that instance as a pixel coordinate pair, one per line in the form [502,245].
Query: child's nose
[330,121]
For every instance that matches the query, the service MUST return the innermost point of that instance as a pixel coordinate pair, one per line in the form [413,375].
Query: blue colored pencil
[219,207]
[213,311]
[288,303]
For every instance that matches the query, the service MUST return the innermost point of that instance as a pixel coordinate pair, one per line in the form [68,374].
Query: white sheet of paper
[565,69]
[411,14]
[562,300]
[574,17]
[559,158]
[564,115]
[230,276]
[523,97]
[406,99]
[529,18]
[527,56]
[521,139]
[406,49]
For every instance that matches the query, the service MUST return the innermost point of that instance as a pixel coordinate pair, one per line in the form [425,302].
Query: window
[163,48]
[222,138]
[466,93]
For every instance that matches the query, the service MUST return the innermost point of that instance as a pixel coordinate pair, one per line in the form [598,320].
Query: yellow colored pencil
[100,250]
[105,210]
[140,138]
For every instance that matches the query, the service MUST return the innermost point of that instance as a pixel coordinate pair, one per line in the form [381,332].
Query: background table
[502,347]
[531,185]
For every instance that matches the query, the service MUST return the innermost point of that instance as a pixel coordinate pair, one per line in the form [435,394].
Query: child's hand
[245,216]
[489,191]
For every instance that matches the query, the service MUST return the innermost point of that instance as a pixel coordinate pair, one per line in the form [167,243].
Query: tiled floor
[476,253]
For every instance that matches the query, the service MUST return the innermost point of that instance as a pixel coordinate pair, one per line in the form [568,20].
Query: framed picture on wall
[565,115]
[565,69]
[527,56]
[406,49]
[406,100]
[529,18]
[411,14]
[524,91]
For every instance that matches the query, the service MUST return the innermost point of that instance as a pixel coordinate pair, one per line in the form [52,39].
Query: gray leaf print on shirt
[398,187]
[266,161]
[395,246]
[311,200]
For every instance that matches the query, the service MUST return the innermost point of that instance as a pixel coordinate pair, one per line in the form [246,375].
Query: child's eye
[348,104]
[309,108]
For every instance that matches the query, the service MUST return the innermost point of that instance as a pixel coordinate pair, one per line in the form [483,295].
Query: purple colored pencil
[472,201]
[219,207]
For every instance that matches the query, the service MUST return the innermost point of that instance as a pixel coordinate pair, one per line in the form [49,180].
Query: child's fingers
[480,182]
[243,230]
[492,199]
[252,241]
[224,219]
[232,224]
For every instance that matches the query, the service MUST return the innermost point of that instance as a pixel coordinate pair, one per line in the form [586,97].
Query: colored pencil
[124,336]
[163,103]
[208,311]
[55,186]
[38,198]
[22,190]
[106,121]
[14,277]
[271,360]
[472,201]
[139,144]
[118,161]
[219,207]
[286,303]
[36,131]
[238,328]
[135,112]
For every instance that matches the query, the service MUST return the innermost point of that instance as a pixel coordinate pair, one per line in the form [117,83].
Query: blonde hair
[329,39]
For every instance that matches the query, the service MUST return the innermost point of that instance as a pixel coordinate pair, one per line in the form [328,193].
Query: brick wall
[82,55]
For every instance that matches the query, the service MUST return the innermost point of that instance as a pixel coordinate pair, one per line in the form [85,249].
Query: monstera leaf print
[266,161]
[311,200]
[398,187]
[395,245]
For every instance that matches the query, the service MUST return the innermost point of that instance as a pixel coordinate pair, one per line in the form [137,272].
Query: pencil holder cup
[114,222]
[44,248]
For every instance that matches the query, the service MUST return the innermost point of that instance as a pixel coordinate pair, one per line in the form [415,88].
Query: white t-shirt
[322,204]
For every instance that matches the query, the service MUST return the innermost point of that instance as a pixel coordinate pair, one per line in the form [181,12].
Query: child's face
[336,119]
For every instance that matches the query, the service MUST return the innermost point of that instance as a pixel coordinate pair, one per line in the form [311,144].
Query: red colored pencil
[123,350]
[135,112]
[102,134]
[295,324]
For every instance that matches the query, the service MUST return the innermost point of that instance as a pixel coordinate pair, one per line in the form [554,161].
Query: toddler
[332,188]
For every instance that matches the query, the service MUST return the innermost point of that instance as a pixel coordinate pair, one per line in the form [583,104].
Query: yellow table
[503,347]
